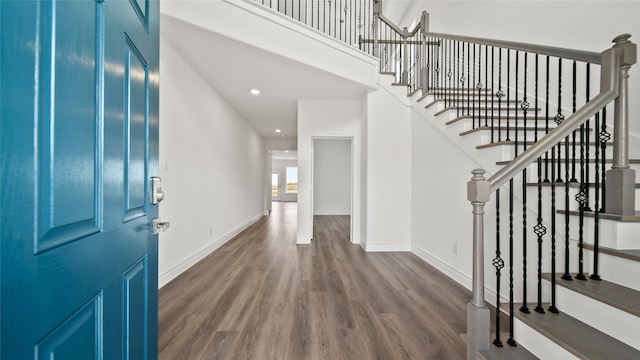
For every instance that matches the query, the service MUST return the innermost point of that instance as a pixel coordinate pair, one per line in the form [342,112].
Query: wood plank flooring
[261,296]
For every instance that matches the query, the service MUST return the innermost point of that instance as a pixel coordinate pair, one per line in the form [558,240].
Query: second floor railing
[345,20]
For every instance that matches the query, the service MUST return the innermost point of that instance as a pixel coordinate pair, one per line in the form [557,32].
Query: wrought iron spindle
[516,110]
[524,308]
[486,81]
[587,129]
[559,118]
[546,125]
[540,230]
[498,263]
[458,74]
[469,74]
[596,208]
[511,341]
[604,137]
[509,97]
[583,193]
[499,95]
[471,98]
[573,94]
[493,70]
[552,308]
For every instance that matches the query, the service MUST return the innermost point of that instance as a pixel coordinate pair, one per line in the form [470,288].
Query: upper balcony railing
[345,20]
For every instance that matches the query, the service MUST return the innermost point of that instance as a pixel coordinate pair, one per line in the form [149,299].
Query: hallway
[261,296]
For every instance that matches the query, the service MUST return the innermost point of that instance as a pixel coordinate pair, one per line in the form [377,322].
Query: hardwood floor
[261,296]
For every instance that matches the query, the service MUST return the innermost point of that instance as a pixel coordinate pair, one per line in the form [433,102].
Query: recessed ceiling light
[255,91]
[278,130]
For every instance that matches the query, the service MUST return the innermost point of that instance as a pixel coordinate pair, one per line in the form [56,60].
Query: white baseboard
[172,273]
[386,247]
[447,269]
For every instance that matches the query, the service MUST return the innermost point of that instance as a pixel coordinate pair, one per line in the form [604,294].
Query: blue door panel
[135,131]
[78,143]
[135,284]
[69,92]
[78,337]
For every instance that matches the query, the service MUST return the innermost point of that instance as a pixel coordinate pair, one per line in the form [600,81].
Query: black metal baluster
[498,263]
[499,95]
[458,73]
[470,97]
[522,104]
[546,125]
[468,74]
[573,158]
[587,129]
[539,229]
[552,308]
[596,208]
[509,99]
[479,85]
[524,308]
[450,80]
[486,81]
[493,70]
[559,118]
[583,194]
[604,137]
[511,340]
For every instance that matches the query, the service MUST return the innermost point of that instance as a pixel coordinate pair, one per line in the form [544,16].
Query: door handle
[160,226]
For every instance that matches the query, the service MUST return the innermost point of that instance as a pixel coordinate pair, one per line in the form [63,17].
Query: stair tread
[577,337]
[626,254]
[618,296]
[507,353]
[603,215]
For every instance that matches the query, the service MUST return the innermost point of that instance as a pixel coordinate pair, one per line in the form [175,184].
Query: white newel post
[621,179]
[477,313]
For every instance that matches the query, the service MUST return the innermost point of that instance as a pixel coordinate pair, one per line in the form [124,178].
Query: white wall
[328,119]
[332,177]
[388,172]
[280,166]
[582,25]
[211,164]
[248,22]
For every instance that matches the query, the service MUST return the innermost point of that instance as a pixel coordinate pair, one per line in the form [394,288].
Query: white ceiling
[284,154]
[234,68]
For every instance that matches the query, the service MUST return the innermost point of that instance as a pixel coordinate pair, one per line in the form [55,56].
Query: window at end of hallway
[292,181]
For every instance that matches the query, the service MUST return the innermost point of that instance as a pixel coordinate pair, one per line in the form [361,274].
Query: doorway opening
[284,176]
[332,180]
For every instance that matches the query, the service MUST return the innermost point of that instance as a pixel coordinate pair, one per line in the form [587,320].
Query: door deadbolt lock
[157,194]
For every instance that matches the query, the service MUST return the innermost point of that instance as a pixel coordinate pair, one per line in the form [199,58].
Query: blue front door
[78,144]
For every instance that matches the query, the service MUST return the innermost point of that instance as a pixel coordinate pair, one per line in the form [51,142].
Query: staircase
[596,319]
[582,298]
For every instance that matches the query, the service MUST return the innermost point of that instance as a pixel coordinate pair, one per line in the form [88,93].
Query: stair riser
[615,269]
[538,344]
[613,234]
[615,322]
